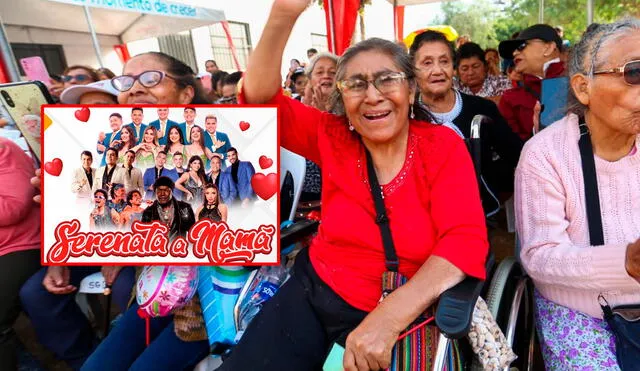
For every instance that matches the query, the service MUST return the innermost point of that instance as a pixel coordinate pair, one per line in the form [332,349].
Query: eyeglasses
[630,72]
[386,83]
[99,197]
[148,79]
[78,78]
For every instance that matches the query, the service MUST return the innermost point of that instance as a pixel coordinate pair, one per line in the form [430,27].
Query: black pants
[295,329]
[15,269]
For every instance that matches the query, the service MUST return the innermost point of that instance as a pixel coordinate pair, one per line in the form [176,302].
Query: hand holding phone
[22,101]
[35,69]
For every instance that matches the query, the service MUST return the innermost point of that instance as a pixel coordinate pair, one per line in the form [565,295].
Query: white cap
[72,94]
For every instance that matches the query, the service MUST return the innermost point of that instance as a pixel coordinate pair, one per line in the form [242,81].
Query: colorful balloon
[160,290]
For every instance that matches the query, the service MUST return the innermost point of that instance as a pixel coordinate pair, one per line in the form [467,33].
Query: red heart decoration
[83,114]
[53,167]
[265,186]
[244,126]
[265,162]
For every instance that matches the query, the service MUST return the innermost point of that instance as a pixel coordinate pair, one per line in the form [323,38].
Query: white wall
[77,46]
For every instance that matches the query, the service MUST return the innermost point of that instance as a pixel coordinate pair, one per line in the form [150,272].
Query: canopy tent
[129,20]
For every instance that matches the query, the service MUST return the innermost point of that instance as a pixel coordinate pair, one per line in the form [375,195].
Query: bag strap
[391,259]
[592,198]
[529,90]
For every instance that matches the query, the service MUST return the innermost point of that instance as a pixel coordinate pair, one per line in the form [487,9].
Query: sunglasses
[79,78]
[630,72]
[522,46]
[148,79]
[99,198]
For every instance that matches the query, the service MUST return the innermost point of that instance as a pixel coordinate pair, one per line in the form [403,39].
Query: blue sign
[154,7]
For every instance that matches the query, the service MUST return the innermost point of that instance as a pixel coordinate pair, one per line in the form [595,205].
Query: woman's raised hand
[292,7]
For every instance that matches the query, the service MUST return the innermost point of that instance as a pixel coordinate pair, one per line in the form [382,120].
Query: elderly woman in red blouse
[430,196]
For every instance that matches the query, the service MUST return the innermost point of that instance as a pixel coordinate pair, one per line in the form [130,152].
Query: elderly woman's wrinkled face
[166,92]
[378,116]
[434,68]
[611,99]
[472,72]
[324,75]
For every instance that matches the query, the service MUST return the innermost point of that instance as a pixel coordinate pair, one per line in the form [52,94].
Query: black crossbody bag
[624,320]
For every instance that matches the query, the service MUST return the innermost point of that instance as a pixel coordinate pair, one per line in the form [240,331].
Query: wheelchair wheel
[510,301]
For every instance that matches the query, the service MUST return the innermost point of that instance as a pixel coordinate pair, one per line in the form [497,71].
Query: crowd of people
[379,114]
[133,159]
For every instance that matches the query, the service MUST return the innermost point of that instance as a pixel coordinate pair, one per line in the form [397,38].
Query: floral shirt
[492,86]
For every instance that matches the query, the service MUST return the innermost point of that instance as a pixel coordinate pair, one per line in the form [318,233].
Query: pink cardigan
[19,215]
[552,223]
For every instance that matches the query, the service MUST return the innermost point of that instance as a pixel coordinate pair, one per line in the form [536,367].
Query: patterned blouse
[493,86]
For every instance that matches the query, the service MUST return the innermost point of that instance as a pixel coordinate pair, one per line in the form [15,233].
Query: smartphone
[22,101]
[554,100]
[35,69]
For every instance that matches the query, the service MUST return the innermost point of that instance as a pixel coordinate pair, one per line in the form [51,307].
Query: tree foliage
[489,23]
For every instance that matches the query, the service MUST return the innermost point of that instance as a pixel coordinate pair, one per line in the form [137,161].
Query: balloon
[160,290]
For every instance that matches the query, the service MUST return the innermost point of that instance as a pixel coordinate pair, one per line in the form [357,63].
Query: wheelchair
[507,291]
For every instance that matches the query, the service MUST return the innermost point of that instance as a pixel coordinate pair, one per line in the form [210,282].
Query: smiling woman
[158,78]
[432,56]
[428,186]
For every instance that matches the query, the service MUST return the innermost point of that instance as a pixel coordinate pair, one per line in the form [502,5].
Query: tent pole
[541,11]
[333,27]
[96,45]
[589,12]
[6,56]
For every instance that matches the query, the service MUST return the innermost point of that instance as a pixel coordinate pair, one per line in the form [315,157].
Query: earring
[351,128]
[411,113]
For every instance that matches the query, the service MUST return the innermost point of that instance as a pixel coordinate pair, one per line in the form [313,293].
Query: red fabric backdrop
[345,14]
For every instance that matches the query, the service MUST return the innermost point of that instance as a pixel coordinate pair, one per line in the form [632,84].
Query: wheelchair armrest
[456,305]
[297,231]
[455,308]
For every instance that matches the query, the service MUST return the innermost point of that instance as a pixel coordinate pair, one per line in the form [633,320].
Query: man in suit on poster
[137,115]
[109,174]
[162,125]
[217,141]
[240,173]
[105,140]
[153,173]
[188,124]
[83,177]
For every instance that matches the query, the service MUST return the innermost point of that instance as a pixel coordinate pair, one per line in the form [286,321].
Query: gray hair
[584,55]
[312,64]
[400,58]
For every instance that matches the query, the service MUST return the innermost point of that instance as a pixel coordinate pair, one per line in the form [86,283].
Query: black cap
[539,31]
